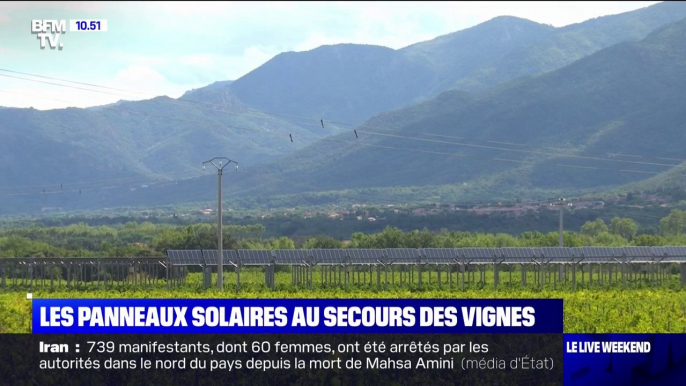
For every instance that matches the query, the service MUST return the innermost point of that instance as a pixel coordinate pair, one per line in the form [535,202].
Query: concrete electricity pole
[561,204]
[220,163]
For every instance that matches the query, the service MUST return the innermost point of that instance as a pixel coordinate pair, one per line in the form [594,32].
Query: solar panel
[536,253]
[330,256]
[590,252]
[555,252]
[633,252]
[210,256]
[577,253]
[678,254]
[516,253]
[638,254]
[366,256]
[186,257]
[440,253]
[292,256]
[659,251]
[230,256]
[674,251]
[255,256]
[403,254]
[472,253]
[480,255]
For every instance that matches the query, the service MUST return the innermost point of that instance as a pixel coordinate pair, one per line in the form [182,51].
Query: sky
[167,48]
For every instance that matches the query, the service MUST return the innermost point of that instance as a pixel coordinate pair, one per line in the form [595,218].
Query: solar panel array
[550,255]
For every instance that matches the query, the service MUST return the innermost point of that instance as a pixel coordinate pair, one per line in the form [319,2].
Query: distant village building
[51,209]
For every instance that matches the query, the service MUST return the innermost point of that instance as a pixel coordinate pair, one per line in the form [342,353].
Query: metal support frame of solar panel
[440,255]
[255,257]
[366,256]
[186,257]
[403,256]
[330,256]
[293,257]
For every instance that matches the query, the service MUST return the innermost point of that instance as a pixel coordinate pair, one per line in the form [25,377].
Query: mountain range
[352,83]
[509,108]
[609,119]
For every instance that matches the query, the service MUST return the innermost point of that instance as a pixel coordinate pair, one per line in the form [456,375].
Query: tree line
[147,239]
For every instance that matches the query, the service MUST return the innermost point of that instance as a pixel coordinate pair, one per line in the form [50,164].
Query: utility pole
[561,204]
[560,238]
[561,230]
[220,163]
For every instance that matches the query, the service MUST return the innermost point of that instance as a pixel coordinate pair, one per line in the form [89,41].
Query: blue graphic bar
[297,316]
[624,359]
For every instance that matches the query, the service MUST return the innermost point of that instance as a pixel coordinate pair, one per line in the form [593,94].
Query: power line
[110,93]
[310,119]
[516,150]
[357,143]
[82,183]
[379,146]
[152,95]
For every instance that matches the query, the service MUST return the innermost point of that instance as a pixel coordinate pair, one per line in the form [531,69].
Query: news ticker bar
[588,359]
[297,316]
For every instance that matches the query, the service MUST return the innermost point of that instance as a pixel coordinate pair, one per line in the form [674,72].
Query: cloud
[85,6]
[202,60]
[165,48]
[191,7]
[144,79]
[215,67]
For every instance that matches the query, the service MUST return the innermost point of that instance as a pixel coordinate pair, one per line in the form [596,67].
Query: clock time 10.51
[76,25]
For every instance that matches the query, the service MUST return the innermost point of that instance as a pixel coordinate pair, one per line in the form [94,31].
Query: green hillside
[145,139]
[351,83]
[624,99]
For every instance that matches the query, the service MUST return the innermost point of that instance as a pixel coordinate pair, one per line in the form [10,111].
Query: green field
[641,308]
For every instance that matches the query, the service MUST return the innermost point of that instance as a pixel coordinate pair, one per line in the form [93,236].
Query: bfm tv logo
[55,27]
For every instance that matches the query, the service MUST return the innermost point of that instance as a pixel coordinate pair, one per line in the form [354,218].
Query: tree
[594,228]
[322,242]
[674,223]
[624,227]
[281,243]
[648,241]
